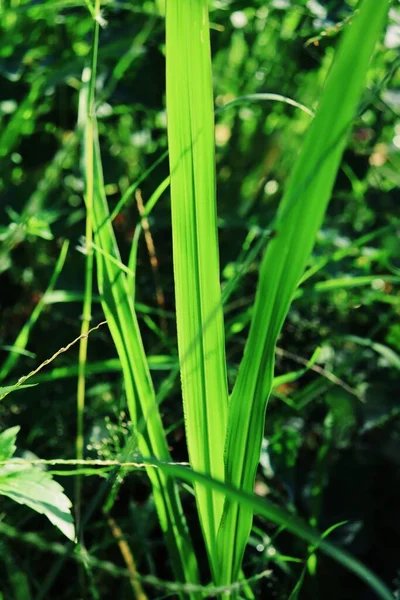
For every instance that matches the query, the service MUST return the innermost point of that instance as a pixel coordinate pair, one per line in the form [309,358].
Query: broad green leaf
[195,249]
[36,489]
[7,442]
[298,219]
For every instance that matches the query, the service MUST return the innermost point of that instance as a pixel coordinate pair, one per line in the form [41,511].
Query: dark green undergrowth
[331,444]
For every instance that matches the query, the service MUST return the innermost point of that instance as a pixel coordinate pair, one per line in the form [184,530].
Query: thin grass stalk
[87,302]
[299,217]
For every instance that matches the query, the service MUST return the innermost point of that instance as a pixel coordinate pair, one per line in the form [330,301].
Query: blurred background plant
[332,437]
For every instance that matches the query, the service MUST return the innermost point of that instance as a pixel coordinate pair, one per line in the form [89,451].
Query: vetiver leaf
[196,261]
[121,317]
[298,220]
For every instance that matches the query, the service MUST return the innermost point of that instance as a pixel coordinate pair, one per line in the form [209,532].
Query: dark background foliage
[332,448]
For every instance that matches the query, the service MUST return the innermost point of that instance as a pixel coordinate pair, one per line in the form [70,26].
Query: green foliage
[33,487]
[200,333]
[196,262]
[292,118]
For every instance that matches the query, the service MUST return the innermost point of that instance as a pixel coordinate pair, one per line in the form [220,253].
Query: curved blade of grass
[195,249]
[121,317]
[344,283]
[279,516]
[341,253]
[23,336]
[262,98]
[298,220]
[385,351]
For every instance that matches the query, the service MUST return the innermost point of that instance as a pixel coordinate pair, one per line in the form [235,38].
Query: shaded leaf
[37,489]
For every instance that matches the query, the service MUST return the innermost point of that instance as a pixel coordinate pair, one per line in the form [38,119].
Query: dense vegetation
[91,231]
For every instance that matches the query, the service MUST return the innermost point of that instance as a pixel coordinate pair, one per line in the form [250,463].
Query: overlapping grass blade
[271,511]
[121,317]
[120,313]
[196,262]
[298,220]
[89,263]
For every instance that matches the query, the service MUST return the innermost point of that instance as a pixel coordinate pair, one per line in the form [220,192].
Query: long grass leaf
[88,290]
[121,317]
[195,248]
[280,516]
[298,220]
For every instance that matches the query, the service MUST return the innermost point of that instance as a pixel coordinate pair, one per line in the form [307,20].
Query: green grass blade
[298,220]
[23,336]
[195,247]
[389,355]
[250,98]
[280,516]
[121,317]
[89,263]
[122,320]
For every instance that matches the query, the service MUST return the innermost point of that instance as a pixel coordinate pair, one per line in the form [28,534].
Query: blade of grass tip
[23,336]
[343,252]
[280,516]
[121,317]
[132,261]
[298,220]
[127,196]
[87,302]
[195,249]
[262,98]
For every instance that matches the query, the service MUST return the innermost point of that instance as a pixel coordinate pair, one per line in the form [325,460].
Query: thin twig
[46,362]
[84,462]
[127,555]
[321,371]
[153,257]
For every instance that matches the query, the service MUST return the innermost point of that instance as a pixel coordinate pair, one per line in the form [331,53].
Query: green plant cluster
[199,268]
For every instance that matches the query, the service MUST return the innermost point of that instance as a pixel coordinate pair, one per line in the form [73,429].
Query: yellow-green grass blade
[89,263]
[195,247]
[298,220]
[121,317]
[122,320]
